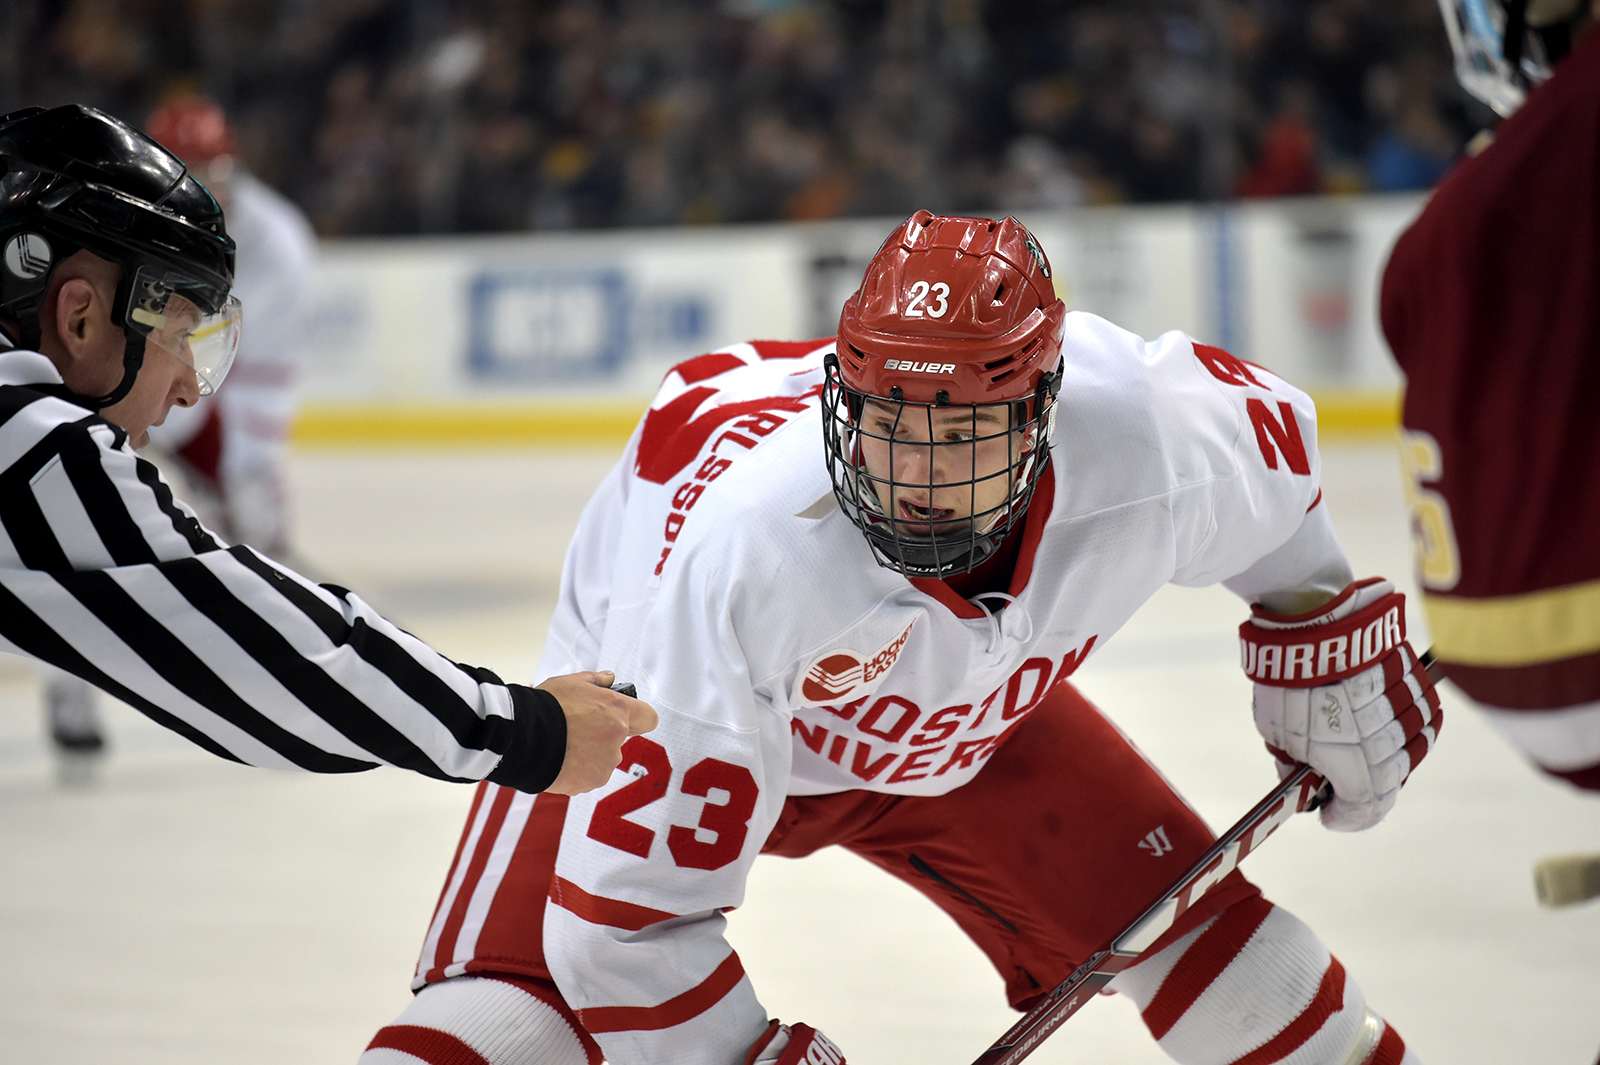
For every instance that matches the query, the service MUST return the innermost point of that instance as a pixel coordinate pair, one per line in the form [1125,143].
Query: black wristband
[538,743]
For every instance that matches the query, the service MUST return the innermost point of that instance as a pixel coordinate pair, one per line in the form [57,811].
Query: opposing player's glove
[1340,689]
[793,1044]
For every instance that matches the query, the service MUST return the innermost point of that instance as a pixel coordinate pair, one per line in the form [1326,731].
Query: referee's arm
[111,579]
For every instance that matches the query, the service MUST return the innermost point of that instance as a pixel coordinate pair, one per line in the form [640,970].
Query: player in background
[115,271]
[868,643]
[236,445]
[1491,305]
[231,449]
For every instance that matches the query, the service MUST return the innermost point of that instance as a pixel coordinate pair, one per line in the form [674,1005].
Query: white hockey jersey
[277,253]
[714,570]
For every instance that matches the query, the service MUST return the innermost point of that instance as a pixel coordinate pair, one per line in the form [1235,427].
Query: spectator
[385,116]
[1413,153]
[1286,159]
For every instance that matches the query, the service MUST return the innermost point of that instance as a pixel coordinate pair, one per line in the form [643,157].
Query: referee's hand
[598,721]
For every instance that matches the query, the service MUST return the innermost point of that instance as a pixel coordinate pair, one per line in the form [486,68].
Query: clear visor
[1476,29]
[169,310]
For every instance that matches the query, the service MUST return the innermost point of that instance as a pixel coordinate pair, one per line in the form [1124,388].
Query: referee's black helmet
[75,178]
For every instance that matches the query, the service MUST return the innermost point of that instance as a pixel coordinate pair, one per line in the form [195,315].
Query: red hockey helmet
[970,297]
[193,128]
[954,317]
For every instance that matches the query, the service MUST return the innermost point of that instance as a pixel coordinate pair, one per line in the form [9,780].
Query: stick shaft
[1298,791]
[1301,790]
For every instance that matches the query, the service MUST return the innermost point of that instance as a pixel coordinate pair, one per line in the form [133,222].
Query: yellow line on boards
[1349,415]
[568,423]
[1340,415]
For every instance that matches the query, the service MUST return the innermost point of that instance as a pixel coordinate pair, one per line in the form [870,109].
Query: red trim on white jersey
[1391,1049]
[497,819]
[672,1012]
[789,349]
[1044,498]
[597,910]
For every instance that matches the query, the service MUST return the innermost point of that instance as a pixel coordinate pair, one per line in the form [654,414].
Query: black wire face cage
[969,469]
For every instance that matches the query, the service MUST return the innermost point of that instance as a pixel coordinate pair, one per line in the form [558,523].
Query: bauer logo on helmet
[908,366]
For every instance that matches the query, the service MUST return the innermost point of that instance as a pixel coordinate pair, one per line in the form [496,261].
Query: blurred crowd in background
[429,116]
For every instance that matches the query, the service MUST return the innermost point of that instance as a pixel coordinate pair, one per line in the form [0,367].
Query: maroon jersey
[1491,304]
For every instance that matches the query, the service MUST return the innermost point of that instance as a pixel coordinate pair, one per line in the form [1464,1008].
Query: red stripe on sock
[428,1044]
[1391,1048]
[1203,962]
[1328,1000]
[672,1012]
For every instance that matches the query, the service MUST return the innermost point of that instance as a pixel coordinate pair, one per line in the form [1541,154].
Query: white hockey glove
[793,1044]
[1340,689]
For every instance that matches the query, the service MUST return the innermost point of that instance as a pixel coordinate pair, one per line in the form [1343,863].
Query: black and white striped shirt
[104,574]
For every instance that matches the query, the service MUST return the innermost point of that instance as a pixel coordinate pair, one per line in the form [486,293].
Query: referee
[115,307]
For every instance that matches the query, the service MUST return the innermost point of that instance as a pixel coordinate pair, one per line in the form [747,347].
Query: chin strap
[132,360]
[133,344]
[1511,39]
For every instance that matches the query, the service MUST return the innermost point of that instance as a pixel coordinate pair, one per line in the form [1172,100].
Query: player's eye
[887,427]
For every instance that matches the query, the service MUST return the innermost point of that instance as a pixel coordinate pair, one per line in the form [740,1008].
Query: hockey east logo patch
[833,675]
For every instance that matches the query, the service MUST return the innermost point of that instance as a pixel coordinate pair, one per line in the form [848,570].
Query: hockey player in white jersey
[237,443]
[871,646]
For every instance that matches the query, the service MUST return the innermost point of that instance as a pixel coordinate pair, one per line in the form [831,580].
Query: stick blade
[1565,879]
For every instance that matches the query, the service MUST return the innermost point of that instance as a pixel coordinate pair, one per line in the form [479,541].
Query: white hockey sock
[473,1020]
[1255,986]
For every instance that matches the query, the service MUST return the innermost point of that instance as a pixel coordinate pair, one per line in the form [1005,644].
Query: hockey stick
[1301,790]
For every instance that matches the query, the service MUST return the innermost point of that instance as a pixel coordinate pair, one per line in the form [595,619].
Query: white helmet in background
[1504,48]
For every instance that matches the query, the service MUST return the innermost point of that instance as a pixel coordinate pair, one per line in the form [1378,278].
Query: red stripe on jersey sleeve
[788,349]
[1203,962]
[672,1012]
[427,1044]
[597,910]
[702,367]
[1328,1000]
